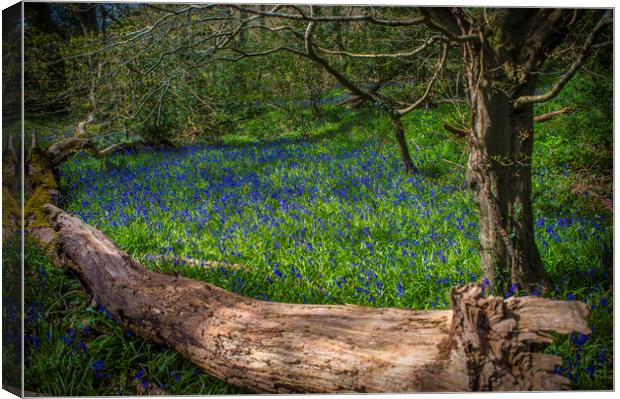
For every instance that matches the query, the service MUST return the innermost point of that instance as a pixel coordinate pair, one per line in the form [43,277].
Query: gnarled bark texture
[500,174]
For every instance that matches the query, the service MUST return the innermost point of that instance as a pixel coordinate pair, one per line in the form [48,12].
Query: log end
[499,340]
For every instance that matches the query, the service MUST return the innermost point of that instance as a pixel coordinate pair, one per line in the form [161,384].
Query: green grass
[325,217]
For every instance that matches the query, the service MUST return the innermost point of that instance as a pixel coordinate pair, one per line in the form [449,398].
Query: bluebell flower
[69,337]
[485,282]
[103,310]
[514,288]
[340,282]
[277,272]
[81,346]
[139,374]
[579,339]
[98,366]
[573,377]
[399,289]
[601,355]
[177,377]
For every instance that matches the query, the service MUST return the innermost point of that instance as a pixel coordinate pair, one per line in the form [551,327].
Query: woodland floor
[318,214]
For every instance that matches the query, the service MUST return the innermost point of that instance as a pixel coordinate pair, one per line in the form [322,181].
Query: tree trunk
[482,344]
[500,173]
[399,131]
[315,108]
[91,24]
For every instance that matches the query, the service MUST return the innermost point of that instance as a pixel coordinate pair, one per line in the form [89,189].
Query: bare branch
[429,41]
[429,22]
[438,69]
[552,114]
[588,46]
[339,77]
[301,16]
[461,133]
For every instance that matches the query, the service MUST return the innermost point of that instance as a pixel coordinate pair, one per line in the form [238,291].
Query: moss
[41,173]
[92,129]
[10,209]
[33,209]
[42,181]
[496,40]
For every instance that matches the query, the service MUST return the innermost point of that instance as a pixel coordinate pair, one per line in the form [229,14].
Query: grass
[324,218]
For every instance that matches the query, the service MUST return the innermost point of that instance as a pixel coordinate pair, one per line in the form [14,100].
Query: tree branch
[429,41]
[429,22]
[339,77]
[335,18]
[438,69]
[456,131]
[553,114]
[606,19]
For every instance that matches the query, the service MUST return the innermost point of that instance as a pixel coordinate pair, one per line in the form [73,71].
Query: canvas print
[297,198]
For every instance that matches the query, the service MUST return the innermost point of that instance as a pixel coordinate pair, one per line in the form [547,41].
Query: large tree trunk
[500,173]
[481,344]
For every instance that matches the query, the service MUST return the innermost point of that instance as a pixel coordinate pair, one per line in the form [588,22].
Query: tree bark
[500,173]
[482,344]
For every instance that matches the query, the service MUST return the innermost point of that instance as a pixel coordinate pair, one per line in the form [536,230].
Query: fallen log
[61,150]
[482,344]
